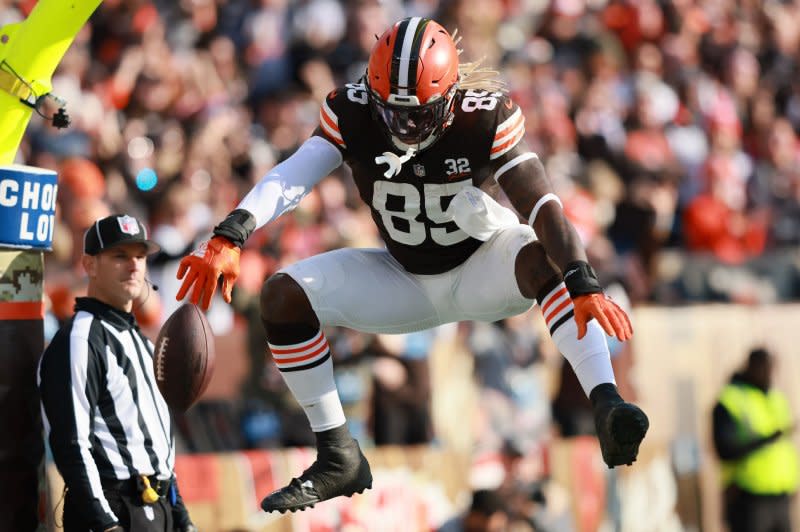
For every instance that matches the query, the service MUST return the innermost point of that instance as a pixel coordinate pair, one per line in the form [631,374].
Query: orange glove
[202,268]
[608,314]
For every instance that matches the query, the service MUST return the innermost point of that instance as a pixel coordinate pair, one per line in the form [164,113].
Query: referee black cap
[115,230]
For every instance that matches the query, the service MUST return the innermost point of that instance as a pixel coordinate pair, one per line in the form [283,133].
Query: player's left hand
[609,315]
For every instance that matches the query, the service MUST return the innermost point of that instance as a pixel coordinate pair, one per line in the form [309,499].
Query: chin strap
[394,161]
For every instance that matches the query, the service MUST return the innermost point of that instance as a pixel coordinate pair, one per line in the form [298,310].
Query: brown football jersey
[409,208]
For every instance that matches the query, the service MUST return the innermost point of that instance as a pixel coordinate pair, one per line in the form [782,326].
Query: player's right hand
[203,267]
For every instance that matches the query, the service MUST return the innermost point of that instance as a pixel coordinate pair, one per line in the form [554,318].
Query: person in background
[400,403]
[108,427]
[751,426]
[486,513]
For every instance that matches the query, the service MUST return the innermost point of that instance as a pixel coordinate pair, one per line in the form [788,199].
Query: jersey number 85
[410,230]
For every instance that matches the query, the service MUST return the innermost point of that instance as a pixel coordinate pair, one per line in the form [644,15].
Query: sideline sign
[27,207]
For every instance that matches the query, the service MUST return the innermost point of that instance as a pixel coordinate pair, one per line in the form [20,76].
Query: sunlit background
[669,131]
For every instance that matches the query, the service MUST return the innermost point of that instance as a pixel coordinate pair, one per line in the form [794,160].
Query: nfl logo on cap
[128,225]
[115,230]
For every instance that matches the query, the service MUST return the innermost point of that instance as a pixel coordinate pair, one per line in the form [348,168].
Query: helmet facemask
[413,124]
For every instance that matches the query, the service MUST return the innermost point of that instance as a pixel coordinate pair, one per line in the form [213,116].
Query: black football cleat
[620,432]
[338,471]
[620,426]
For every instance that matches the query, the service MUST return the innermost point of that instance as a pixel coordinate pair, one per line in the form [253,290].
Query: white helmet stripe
[405,54]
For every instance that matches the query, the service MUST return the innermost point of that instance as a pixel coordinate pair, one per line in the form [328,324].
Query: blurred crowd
[668,128]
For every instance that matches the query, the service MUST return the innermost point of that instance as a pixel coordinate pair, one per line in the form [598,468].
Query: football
[184,357]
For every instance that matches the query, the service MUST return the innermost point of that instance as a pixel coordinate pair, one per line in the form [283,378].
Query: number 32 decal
[417,231]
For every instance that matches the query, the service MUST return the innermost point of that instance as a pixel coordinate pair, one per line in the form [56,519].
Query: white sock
[307,369]
[589,356]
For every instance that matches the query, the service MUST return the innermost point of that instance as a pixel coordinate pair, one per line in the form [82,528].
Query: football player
[424,136]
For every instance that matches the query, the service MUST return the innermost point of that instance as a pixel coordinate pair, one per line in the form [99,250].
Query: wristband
[237,227]
[580,279]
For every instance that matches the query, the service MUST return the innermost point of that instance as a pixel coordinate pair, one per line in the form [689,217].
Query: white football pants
[367,289]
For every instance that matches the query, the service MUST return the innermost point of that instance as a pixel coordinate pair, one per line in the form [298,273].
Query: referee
[108,427]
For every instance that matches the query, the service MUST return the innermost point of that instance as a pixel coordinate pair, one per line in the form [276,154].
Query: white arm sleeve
[287,183]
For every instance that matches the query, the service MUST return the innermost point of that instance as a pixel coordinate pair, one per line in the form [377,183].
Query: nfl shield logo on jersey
[419,170]
[128,225]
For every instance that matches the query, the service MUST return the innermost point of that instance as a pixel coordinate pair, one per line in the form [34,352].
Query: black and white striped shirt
[104,416]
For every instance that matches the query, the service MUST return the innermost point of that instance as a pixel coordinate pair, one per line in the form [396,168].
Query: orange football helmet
[411,79]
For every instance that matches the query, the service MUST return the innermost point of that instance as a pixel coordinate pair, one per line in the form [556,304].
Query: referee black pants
[746,512]
[133,514]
